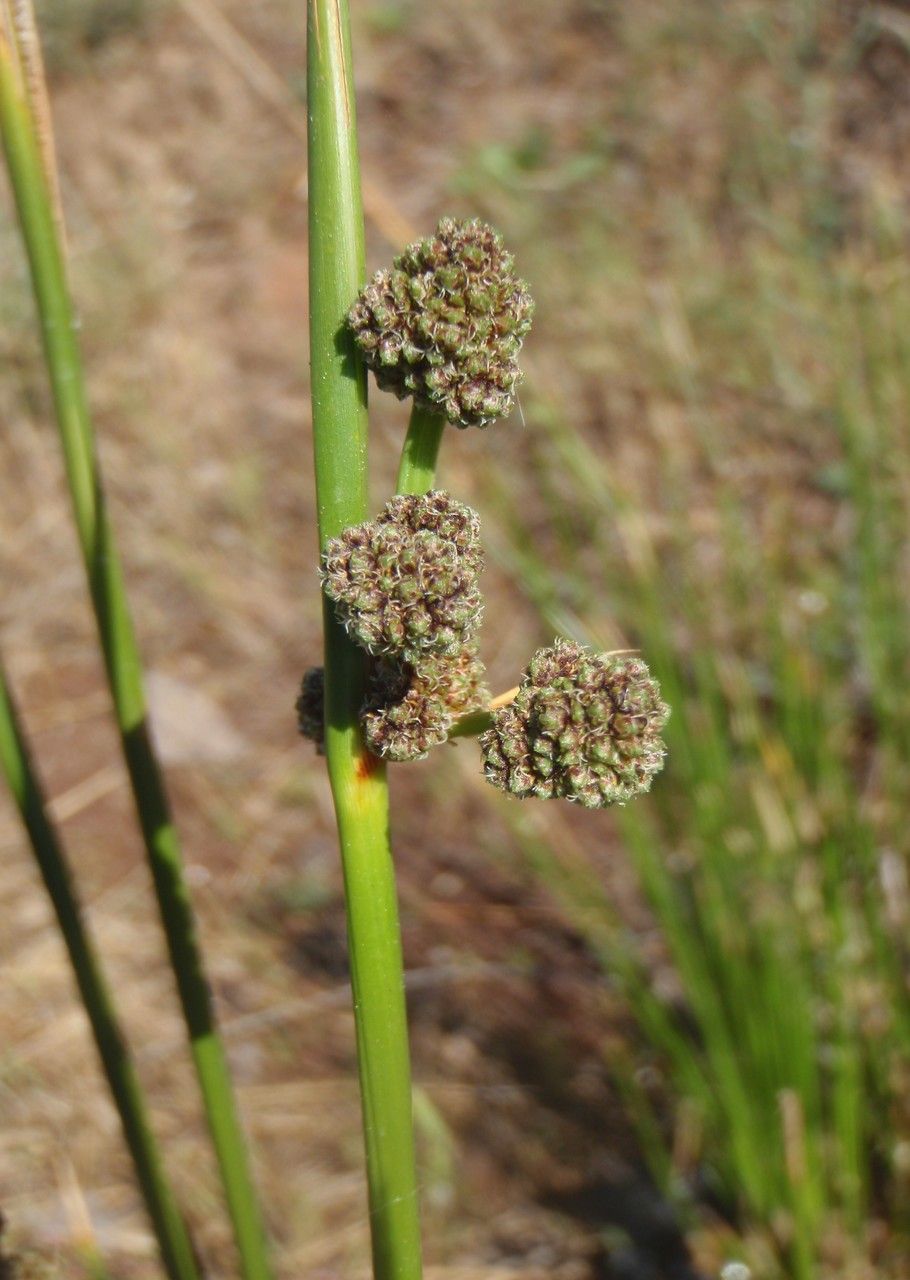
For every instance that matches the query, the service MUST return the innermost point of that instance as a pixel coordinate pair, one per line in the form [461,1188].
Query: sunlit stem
[473,723]
[417,469]
[359,789]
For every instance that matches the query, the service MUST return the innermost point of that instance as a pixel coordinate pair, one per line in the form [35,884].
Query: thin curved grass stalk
[358,779]
[34,202]
[126,1090]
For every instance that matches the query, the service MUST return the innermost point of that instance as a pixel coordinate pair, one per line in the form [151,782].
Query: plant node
[409,710]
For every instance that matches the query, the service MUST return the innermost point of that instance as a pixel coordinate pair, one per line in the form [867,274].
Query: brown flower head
[445,324]
[583,725]
[406,584]
[410,710]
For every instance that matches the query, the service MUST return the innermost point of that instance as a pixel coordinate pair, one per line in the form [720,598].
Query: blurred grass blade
[765,851]
[34,204]
[126,1090]
[359,788]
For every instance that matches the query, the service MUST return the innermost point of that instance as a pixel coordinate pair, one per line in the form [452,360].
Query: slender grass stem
[357,778]
[34,204]
[471,725]
[126,1090]
[417,468]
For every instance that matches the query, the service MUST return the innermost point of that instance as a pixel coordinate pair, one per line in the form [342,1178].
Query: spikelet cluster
[407,710]
[583,725]
[410,710]
[445,324]
[406,584]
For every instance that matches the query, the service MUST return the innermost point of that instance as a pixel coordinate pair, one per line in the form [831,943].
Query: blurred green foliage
[732,495]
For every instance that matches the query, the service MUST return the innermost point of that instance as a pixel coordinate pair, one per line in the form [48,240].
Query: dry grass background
[184,186]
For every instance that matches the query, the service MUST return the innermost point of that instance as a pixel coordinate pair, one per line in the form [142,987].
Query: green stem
[33,201]
[471,725]
[417,469]
[126,1090]
[358,779]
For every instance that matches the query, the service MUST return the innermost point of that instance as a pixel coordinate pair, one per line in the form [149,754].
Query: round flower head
[410,710]
[583,725]
[310,707]
[445,323]
[405,585]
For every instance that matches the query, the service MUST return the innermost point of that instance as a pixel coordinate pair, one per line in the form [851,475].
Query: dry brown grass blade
[21,30]
[75,1208]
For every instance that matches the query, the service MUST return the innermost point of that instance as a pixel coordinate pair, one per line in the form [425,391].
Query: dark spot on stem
[366,766]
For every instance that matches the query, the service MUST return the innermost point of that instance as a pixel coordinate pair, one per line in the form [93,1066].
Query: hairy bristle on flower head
[310,707]
[406,584]
[584,725]
[445,324]
[408,711]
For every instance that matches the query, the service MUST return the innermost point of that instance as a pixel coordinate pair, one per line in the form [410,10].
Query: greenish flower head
[410,710]
[405,585]
[585,726]
[446,322]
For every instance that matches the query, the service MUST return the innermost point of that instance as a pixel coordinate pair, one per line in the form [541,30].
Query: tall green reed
[443,325]
[126,1089]
[33,191]
[358,780]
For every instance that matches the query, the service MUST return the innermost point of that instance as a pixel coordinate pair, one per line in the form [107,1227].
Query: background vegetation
[689,1016]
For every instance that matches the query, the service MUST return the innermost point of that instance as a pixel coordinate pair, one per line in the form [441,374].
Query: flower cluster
[583,725]
[445,324]
[411,709]
[407,709]
[405,585]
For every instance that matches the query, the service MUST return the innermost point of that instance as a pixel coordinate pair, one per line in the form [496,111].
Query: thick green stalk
[417,469]
[33,201]
[357,778]
[126,1090]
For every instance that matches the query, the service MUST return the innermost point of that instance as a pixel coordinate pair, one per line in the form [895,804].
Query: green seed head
[311,707]
[446,322]
[410,710]
[460,681]
[406,584]
[584,725]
